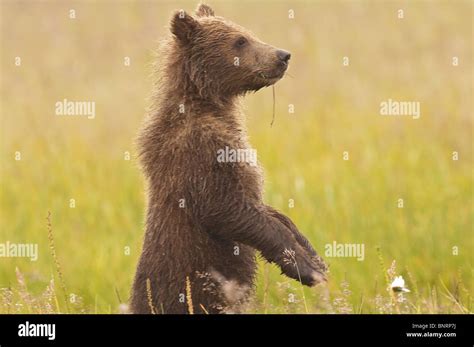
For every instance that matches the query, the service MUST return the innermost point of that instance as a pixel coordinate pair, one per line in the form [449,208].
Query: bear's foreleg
[275,236]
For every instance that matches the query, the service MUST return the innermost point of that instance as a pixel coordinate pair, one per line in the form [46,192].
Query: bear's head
[220,57]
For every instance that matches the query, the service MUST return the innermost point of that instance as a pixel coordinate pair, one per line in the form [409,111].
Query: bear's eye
[241,41]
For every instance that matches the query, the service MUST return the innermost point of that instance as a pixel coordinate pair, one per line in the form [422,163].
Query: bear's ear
[204,10]
[183,26]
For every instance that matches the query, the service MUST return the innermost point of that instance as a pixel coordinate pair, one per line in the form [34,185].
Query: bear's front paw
[309,270]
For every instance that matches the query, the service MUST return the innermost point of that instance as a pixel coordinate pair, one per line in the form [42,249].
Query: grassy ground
[336,110]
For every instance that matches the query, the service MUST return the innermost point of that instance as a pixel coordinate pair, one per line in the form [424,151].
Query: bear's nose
[283,55]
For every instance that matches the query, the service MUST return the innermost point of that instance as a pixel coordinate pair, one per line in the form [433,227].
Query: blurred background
[336,109]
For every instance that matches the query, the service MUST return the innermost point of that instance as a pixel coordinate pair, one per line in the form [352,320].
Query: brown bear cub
[206,218]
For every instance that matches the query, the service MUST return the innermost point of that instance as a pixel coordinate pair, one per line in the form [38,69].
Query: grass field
[336,109]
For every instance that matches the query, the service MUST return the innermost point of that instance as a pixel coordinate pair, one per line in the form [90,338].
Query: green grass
[336,110]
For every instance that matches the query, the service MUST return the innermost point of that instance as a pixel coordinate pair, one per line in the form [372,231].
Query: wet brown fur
[214,237]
